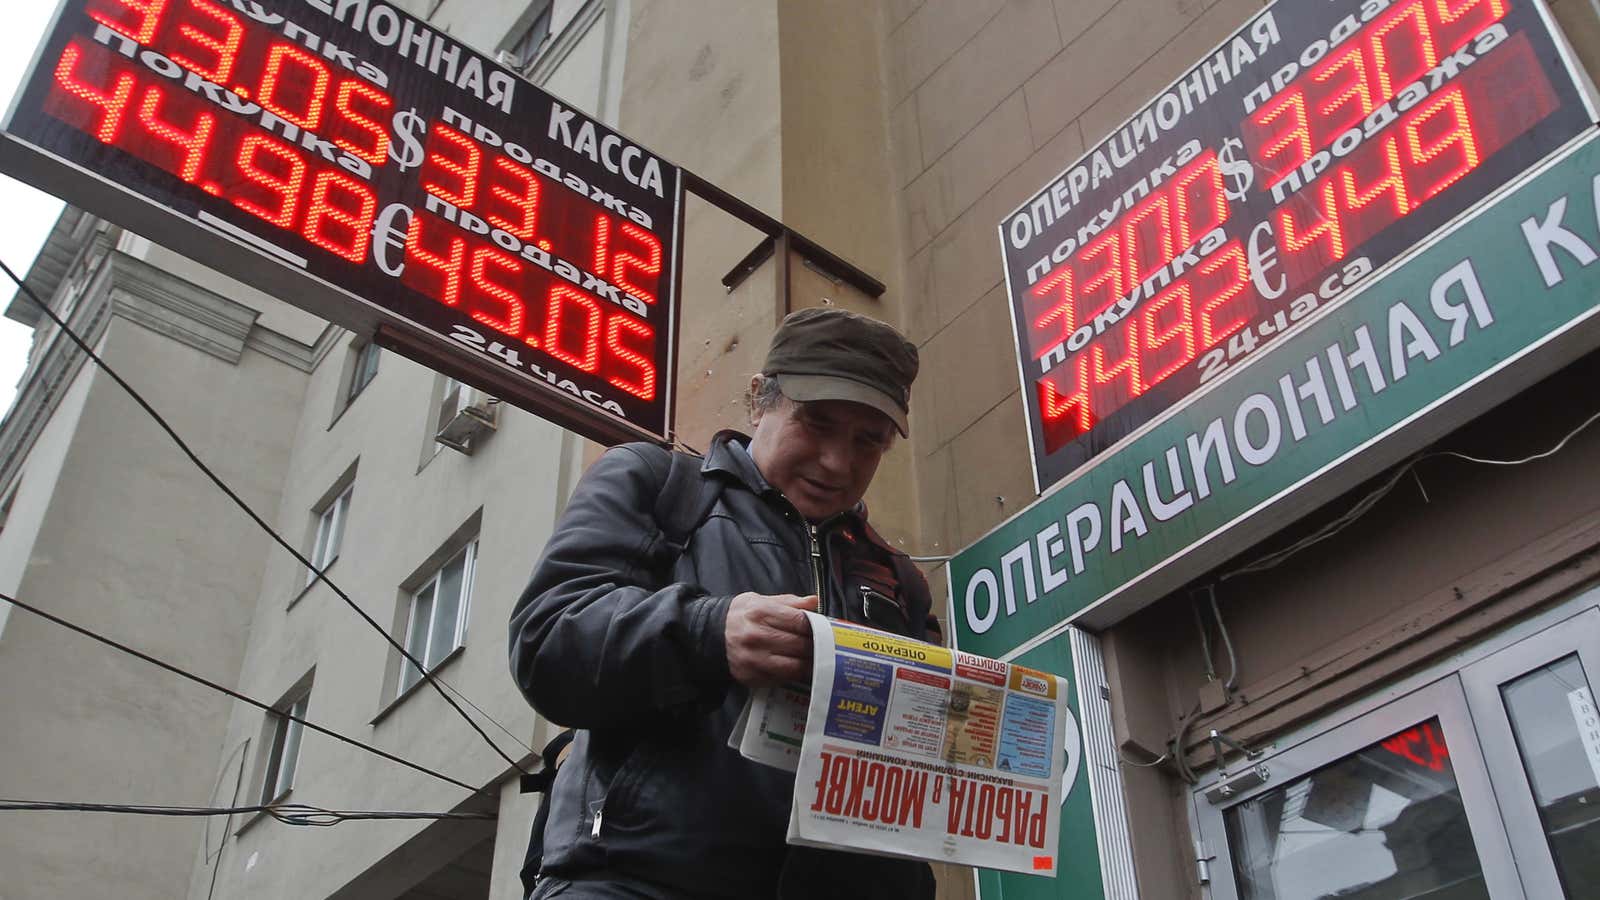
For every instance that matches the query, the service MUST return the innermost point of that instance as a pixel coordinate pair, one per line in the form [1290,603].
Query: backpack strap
[685,501]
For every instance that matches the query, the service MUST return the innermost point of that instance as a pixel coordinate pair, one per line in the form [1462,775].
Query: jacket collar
[730,455]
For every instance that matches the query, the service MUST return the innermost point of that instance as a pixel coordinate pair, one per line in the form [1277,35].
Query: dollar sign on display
[406,150]
[1239,172]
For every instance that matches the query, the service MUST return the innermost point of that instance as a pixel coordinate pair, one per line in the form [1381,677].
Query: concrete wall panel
[136,544]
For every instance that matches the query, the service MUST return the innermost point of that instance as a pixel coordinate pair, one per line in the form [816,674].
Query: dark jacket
[621,637]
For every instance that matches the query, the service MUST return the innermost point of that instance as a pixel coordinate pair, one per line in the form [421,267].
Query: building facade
[1412,688]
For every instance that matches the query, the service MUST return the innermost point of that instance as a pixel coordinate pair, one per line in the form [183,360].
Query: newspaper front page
[909,749]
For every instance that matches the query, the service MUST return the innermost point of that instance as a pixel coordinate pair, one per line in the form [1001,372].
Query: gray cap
[826,353]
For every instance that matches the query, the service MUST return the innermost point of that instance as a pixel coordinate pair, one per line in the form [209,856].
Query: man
[649,646]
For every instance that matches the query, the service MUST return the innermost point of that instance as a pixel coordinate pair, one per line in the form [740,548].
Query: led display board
[341,155]
[1505,296]
[1319,142]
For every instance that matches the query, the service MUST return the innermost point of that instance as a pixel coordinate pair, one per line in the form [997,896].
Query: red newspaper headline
[871,791]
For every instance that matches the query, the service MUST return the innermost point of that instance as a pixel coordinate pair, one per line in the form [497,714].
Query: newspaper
[772,726]
[907,749]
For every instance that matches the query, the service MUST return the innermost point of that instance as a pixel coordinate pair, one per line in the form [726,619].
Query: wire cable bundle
[287,813]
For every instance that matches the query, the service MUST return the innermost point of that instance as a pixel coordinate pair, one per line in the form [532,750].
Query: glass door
[1534,707]
[1395,803]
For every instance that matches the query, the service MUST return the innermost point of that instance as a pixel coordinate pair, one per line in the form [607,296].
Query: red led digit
[643,385]
[1128,367]
[1488,11]
[1355,89]
[464,169]
[285,186]
[1415,41]
[375,148]
[1392,183]
[1160,209]
[283,61]
[602,244]
[1458,134]
[137,19]
[1108,279]
[445,268]
[223,48]
[511,268]
[525,199]
[1197,216]
[1294,135]
[112,101]
[343,229]
[648,265]
[1181,329]
[1230,265]
[1057,283]
[1297,238]
[1073,407]
[191,144]
[562,300]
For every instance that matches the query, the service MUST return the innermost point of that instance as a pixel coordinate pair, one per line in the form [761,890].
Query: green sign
[1077,852]
[1499,301]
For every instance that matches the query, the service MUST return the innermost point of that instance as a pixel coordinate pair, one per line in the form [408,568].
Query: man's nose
[836,457]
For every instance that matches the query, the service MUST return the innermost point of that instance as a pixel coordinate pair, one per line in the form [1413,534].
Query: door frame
[1210,842]
[1577,635]
[1444,700]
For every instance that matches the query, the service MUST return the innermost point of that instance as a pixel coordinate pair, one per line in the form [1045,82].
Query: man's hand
[769,641]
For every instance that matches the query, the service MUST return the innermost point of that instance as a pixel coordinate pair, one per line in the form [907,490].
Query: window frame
[432,656]
[1483,680]
[527,31]
[452,399]
[332,517]
[8,499]
[280,767]
[363,371]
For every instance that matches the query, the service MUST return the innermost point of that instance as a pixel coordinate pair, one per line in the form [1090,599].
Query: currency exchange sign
[1503,298]
[347,158]
[1319,142]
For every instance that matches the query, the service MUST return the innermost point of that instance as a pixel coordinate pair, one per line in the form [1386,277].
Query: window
[284,747]
[364,370]
[450,403]
[437,623]
[330,532]
[524,47]
[359,370]
[5,506]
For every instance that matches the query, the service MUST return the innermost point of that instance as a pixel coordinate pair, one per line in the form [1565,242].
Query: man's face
[822,454]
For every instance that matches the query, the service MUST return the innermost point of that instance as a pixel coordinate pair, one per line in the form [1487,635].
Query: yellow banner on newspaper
[892,646]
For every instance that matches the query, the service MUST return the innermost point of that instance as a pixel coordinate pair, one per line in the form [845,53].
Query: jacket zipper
[816,564]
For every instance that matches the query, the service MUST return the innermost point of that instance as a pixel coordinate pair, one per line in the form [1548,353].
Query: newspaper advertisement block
[909,749]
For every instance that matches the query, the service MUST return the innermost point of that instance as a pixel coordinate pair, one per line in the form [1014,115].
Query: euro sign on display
[351,160]
[1319,142]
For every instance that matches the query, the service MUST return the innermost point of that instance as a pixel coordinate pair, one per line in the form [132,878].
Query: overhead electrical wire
[51,617]
[287,813]
[1365,504]
[249,511]
[1328,530]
